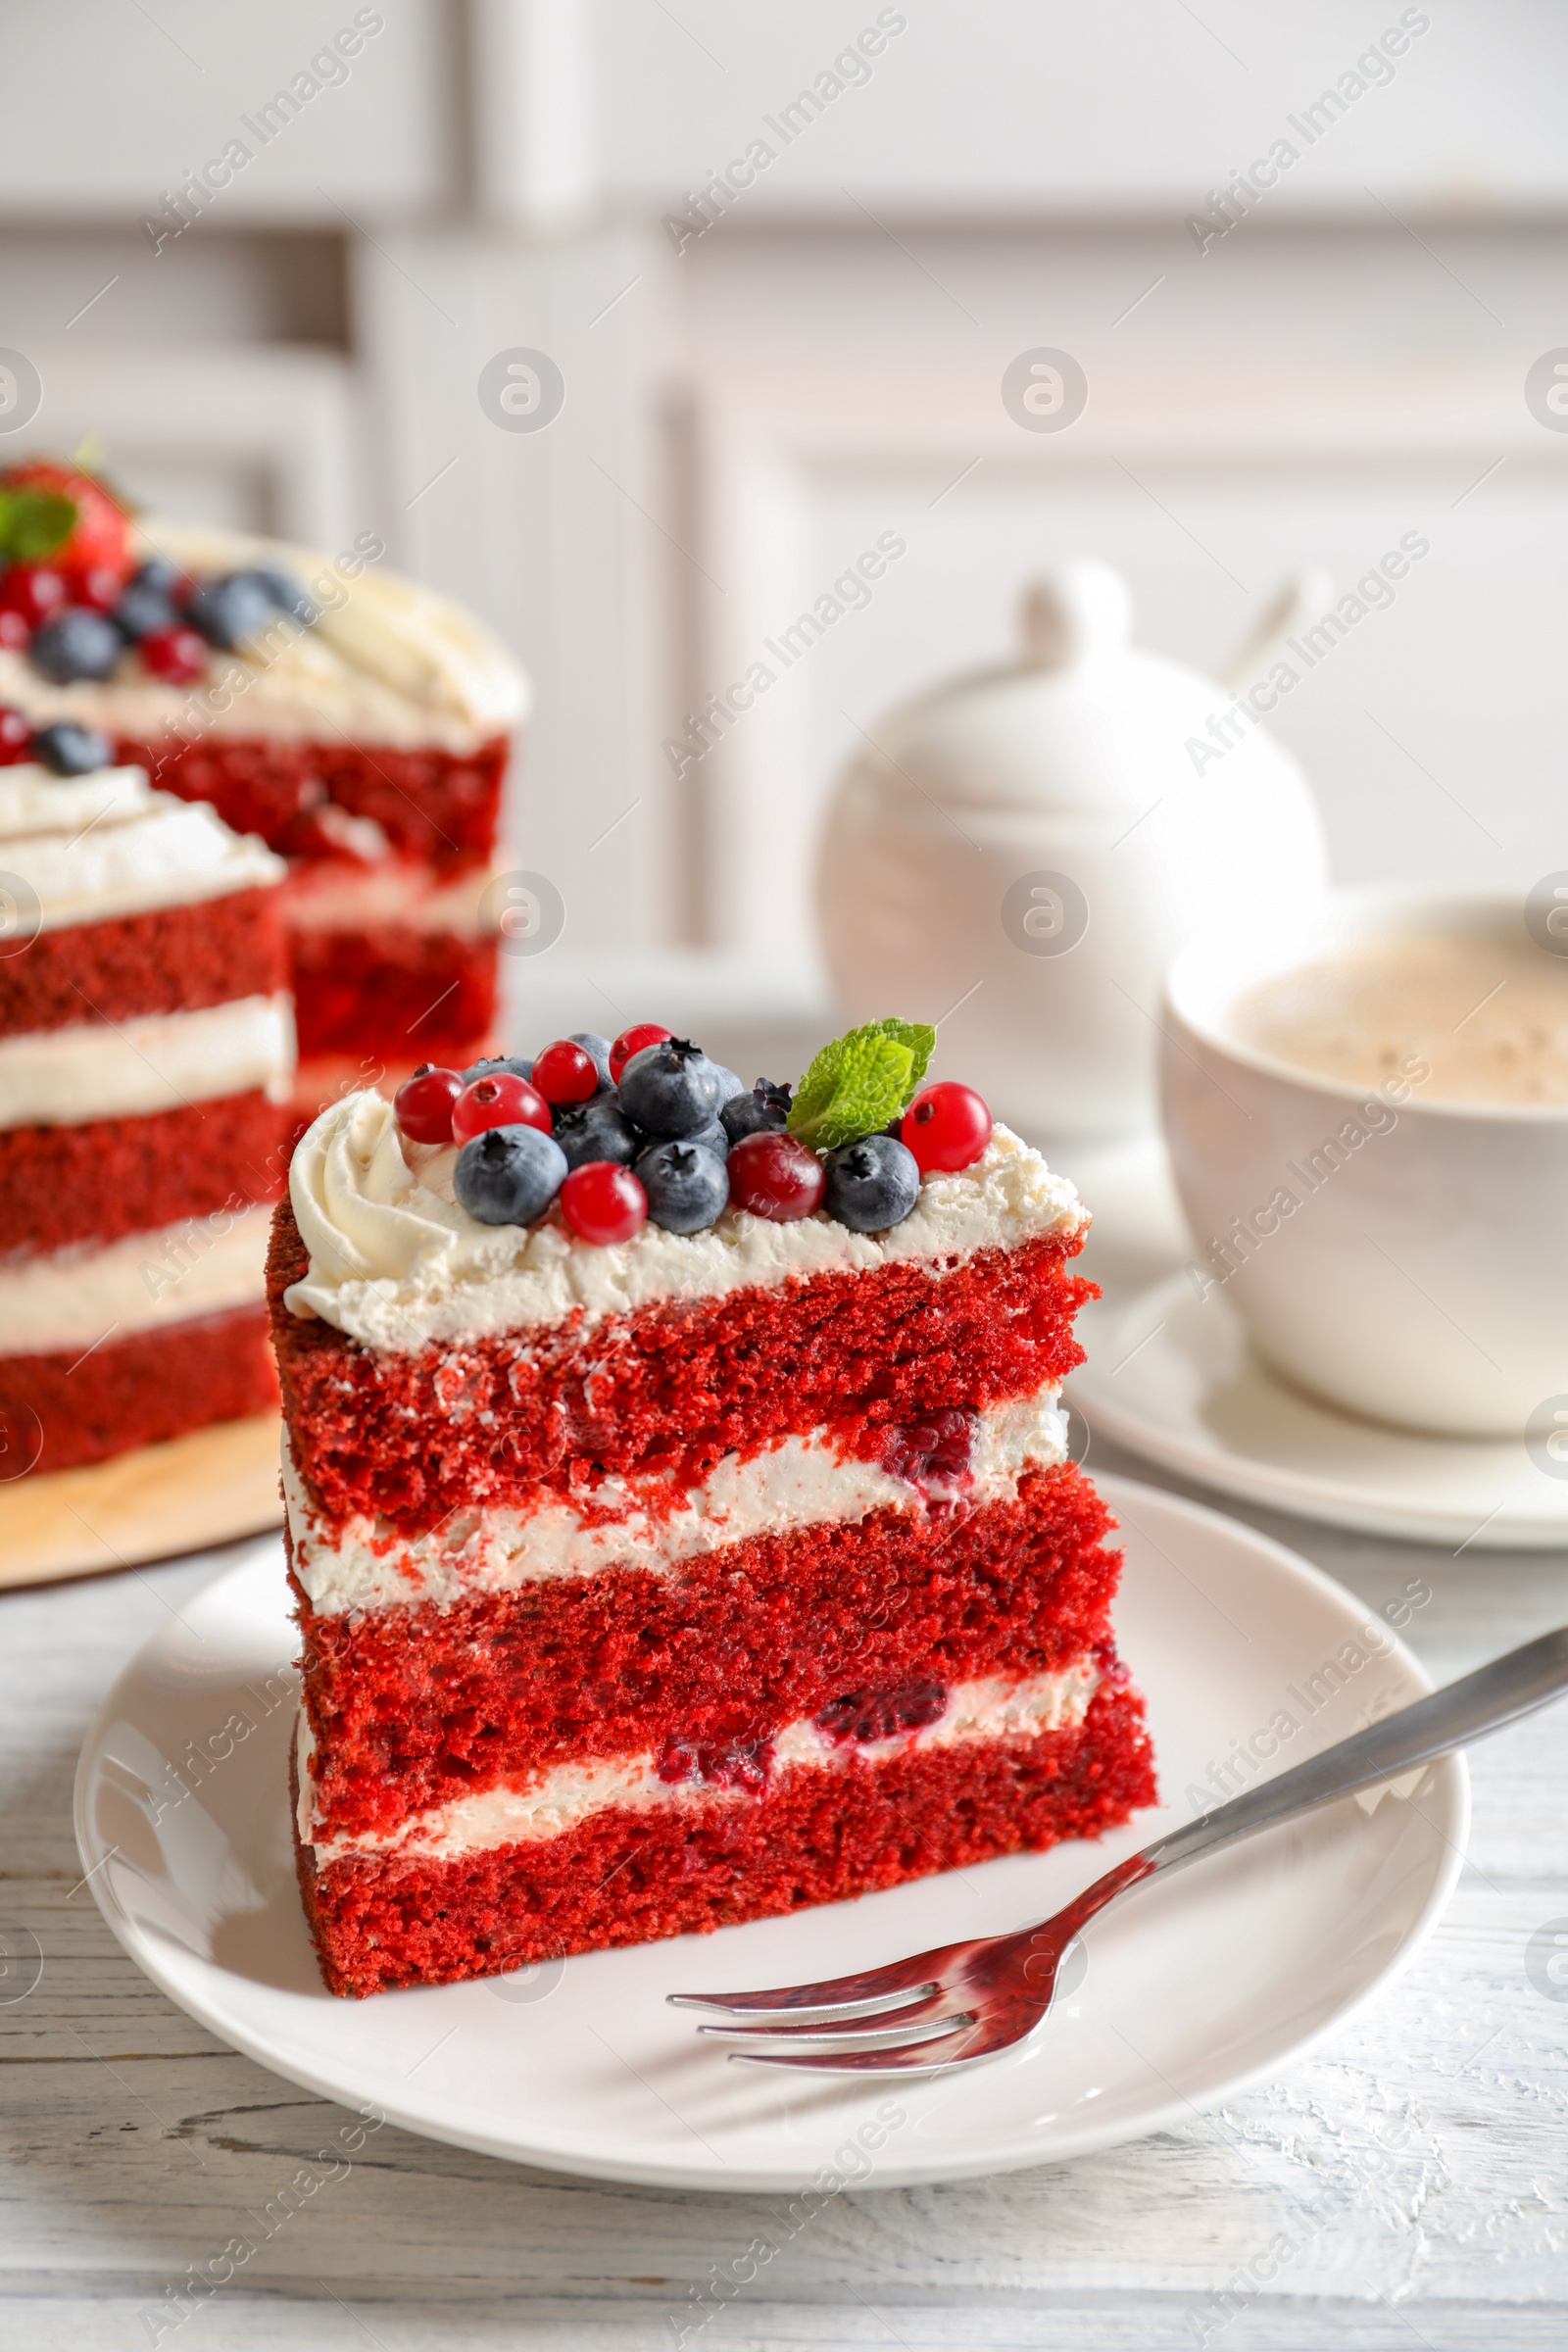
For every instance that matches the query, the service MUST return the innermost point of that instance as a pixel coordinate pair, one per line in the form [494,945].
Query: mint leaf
[35,524]
[858,1083]
[922,1039]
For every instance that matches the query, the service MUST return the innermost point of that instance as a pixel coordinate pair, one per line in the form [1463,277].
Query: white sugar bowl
[1018,855]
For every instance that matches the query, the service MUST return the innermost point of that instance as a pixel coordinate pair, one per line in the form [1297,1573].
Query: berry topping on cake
[872,1184]
[424,1104]
[597,1130]
[150,602]
[762,1112]
[71,751]
[946,1127]
[75,643]
[176,655]
[565,1073]
[16,738]
[604,1202]
[686,1184]
[630,1042]
[499,1101]
[776,1177]
[598,1049]
[32,591]
[866,1715]
[671,1089]
[229,609]
[55,510]
[509,1175]
[496,1065]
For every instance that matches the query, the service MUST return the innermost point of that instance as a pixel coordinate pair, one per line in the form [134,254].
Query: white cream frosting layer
[152,1062]
[646,1523]
[387,661]
[106,844]
[395,1262]
[394,895]
[79,1298]
[562,1798]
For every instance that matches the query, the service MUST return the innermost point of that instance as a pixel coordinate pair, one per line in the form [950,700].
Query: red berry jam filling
[863,1716]
[720,1763]
[932,1455]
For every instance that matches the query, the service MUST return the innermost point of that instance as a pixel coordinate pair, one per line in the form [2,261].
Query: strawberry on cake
[146,1050]
[359,724]
[678,1505]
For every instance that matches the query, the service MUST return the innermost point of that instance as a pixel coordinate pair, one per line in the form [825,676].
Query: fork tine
[862,1995]
[849,2033]
[904,2058]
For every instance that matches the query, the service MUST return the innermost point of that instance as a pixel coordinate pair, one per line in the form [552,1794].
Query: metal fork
[965,2002]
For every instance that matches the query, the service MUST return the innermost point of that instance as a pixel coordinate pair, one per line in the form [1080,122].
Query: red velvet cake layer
[629,1876]
[491,1421]
[170,960]
[412,1706]
[394,992]
[61,1186]
[57,1411]
[431,805]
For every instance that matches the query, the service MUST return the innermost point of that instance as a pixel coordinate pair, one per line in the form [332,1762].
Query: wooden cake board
[207,1487]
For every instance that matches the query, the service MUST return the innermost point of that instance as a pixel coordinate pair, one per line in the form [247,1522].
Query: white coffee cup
[1403,1258]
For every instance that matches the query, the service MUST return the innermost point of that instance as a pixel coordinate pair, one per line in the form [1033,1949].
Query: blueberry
[75,643]
[872,1184]
[762,1112]
[498,1065]
[71,751]
[729,1085]
[509,1175]
[229,609]
[711,1138]
[598,1129]
[142,608]
[283,590]
[686,1184]
[159,574]
[671,1089]
[597,1048]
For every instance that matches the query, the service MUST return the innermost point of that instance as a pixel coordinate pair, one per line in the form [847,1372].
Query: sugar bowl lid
[1083,719]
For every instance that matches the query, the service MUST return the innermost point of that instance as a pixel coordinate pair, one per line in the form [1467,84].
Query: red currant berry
[13,630]
[632,1041]
[34,590]
[604,1202]
[97,585]
[499,1102]
[946,1127]
[176,655]
[424,1104]
[565,1074]
[16,738]
[776,1177]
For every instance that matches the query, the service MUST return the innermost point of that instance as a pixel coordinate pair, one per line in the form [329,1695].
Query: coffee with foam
[1488,1020]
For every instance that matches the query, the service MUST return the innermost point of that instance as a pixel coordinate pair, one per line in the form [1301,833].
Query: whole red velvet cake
[146,1047]
[358,724]
[678,1505]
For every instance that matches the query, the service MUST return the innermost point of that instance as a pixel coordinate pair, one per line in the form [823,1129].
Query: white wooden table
[1404,2187]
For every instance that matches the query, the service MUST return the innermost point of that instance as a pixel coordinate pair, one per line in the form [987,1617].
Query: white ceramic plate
[1191,1987]
[1173,1378]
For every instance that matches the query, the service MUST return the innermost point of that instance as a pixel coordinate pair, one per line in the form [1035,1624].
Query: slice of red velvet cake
[359,723]
[146,1047]
[678,1504]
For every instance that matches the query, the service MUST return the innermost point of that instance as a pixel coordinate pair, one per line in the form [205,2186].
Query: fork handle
[1484,1701]
[1478,1703]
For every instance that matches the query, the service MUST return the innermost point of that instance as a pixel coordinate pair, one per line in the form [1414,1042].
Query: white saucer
[1172,1378]
[1193,1987]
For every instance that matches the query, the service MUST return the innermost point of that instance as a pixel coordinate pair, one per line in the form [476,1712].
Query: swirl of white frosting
[395,1262]
[106,844]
